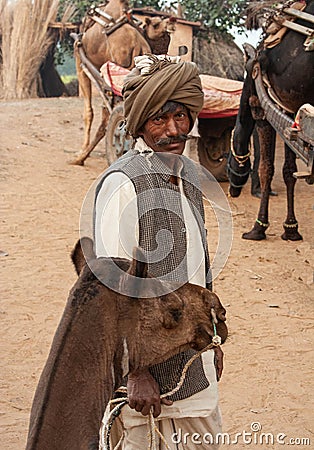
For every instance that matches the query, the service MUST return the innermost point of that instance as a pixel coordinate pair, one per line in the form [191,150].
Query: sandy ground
[267,287]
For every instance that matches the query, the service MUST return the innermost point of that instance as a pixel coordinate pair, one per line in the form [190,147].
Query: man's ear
[140,132]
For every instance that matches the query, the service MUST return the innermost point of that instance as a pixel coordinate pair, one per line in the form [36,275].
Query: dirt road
[267,287]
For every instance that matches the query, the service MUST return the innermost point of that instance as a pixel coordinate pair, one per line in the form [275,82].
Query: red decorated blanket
[221,95]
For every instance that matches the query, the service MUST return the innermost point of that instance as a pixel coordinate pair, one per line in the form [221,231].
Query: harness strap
[237,174]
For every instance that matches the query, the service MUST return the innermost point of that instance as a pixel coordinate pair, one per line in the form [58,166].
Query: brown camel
[119,45]
[157,31]
[85,361]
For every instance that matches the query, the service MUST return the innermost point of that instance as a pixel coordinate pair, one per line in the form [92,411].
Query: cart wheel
[116,141]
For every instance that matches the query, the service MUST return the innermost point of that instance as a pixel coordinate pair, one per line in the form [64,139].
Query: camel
[289,69]
[84,366]
[157,31]
[119,43]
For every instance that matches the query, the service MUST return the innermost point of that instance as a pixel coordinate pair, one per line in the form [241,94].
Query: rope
[107,422]
[152,431]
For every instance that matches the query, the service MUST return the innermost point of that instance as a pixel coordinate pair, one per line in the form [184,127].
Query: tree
[218,15]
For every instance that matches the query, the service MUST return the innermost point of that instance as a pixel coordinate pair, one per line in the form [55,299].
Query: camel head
[104,333]
[153,327]
[156,27]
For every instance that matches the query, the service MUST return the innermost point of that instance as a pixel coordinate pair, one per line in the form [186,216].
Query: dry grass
[218,57]
[25,41]
[257,13]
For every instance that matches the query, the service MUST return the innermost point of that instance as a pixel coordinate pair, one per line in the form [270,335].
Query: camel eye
[171,318]
[176,314]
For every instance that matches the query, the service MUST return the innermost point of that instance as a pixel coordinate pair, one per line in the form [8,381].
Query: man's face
[166,131]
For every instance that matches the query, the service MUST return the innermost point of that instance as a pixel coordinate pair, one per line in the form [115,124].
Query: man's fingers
[145,410]
[132,403]
[156,409]
[139,406]
[166,401]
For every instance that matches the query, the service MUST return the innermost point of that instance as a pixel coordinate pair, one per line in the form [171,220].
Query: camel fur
[84,366]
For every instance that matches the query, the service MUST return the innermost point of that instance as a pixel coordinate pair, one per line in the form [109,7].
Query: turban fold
[149,86]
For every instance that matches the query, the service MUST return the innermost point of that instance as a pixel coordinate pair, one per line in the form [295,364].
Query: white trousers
[188,433]
[188,424]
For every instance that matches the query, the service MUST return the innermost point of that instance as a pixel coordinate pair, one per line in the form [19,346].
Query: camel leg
[267,140]
[100,133]
[291,225]
[245,122]
[255,182]
[85,86]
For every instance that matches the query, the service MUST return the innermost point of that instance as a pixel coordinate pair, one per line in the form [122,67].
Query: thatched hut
[218,56]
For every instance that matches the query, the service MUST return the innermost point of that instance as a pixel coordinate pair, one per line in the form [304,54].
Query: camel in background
[157,31]
[286,66]
[98,325]
[119,40]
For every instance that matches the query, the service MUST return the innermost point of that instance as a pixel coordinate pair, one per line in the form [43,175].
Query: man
[150,198]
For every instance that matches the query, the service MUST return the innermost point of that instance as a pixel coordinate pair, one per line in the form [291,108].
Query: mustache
[172,140]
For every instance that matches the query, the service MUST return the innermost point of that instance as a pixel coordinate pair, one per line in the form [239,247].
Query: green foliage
[81,7]
[64,48]
[221,15]
[68,78]
[157,4]
[218,15]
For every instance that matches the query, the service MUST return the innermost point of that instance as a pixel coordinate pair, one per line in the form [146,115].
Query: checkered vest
[159,209]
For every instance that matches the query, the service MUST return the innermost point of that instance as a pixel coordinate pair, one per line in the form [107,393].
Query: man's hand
[143,393]
[219,356]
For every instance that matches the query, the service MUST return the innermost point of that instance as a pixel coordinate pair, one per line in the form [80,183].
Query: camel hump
[82,253]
